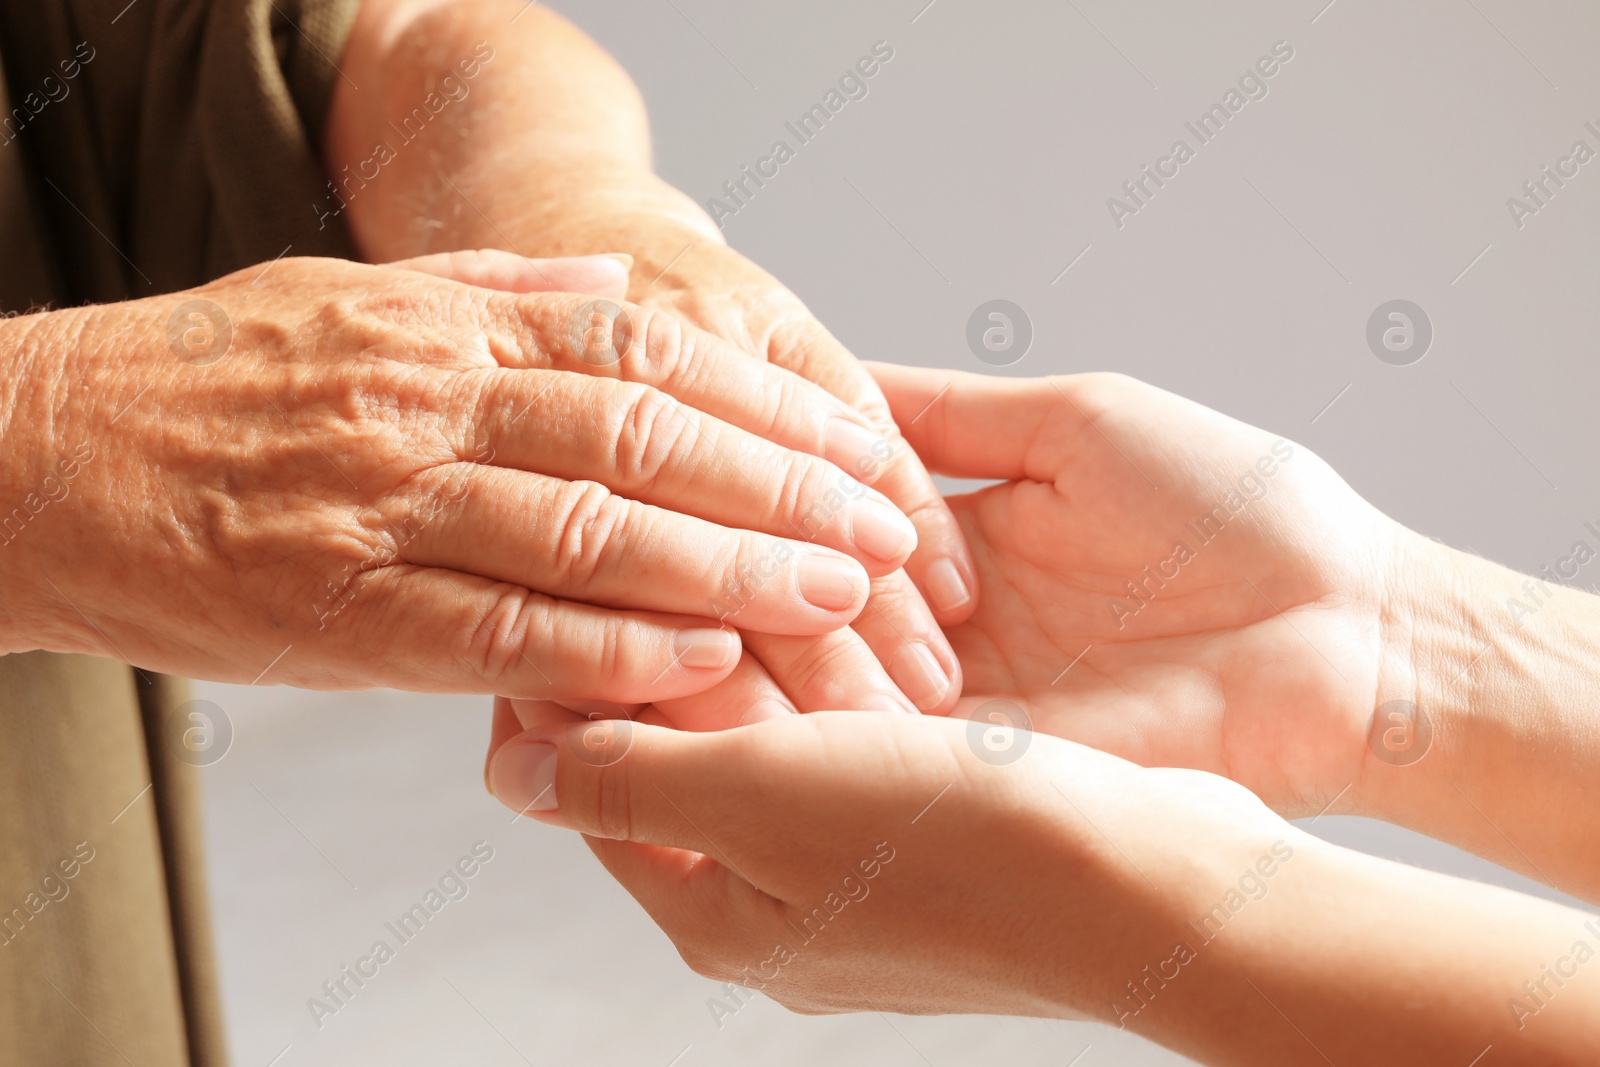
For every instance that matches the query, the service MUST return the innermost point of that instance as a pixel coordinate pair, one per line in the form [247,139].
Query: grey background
[978,167]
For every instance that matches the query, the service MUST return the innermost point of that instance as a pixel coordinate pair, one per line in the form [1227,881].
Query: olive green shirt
[145,147]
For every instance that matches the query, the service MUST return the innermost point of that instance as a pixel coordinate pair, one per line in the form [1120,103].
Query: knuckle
[472,411]
[344,314]
[744,564]
[588,523]
[821,671]
[610,665]
[493,644]
[796,338]
[418,407]
[465,265]
[669,349]
[794,503]
[585,657]
[810,497]
[357,391]
[655,434]
[783,393]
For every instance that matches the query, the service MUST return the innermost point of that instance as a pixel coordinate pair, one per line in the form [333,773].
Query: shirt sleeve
[160,144]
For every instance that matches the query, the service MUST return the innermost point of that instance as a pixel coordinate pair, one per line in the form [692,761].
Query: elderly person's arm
[358,476]
[486,123]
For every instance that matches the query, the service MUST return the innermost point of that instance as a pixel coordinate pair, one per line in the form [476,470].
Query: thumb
[970,425]
[491,268]
[615,779]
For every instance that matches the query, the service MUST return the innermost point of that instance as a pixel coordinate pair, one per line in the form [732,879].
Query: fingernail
[880,702]
[831,583]
[523,776]
[855,449]
[764,710]
[881,531]
[946,586]
[705,649]
[623,258]
[916,671]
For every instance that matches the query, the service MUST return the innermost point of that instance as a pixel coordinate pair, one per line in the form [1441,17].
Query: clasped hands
[1207,632]
[458,473]
[1157,585]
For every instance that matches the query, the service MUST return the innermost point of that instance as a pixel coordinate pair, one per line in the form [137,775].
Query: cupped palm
[1161,581]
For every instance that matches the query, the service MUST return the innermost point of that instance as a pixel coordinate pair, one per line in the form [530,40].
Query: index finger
[606,339]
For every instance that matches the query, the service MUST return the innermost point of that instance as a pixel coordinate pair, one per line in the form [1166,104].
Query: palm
[1254,654]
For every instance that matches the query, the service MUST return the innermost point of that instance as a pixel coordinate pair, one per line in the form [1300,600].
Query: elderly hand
[545,149]
[690,272]
[731,297]
[367,476]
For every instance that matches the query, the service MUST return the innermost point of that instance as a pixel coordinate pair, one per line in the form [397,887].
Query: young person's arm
[1171,585]
[849,862]
[1506,669]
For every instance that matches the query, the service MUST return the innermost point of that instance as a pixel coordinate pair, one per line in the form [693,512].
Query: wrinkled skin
[393,478]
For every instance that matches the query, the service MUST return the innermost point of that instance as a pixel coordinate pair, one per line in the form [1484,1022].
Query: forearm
[544,149]
[1507,672]
[1350,959]
[37,467]
[15,464]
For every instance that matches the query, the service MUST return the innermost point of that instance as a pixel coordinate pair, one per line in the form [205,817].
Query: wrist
[1161,866]
[1502,670]
[1222,903]
[632,212]
[1431,634]
[589,208]
[29,480]
[571,207]
[1442,629]
[1245,928]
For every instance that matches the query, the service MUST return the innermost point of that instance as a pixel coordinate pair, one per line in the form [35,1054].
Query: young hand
[1163,582]
[1181,589]
[897,863]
